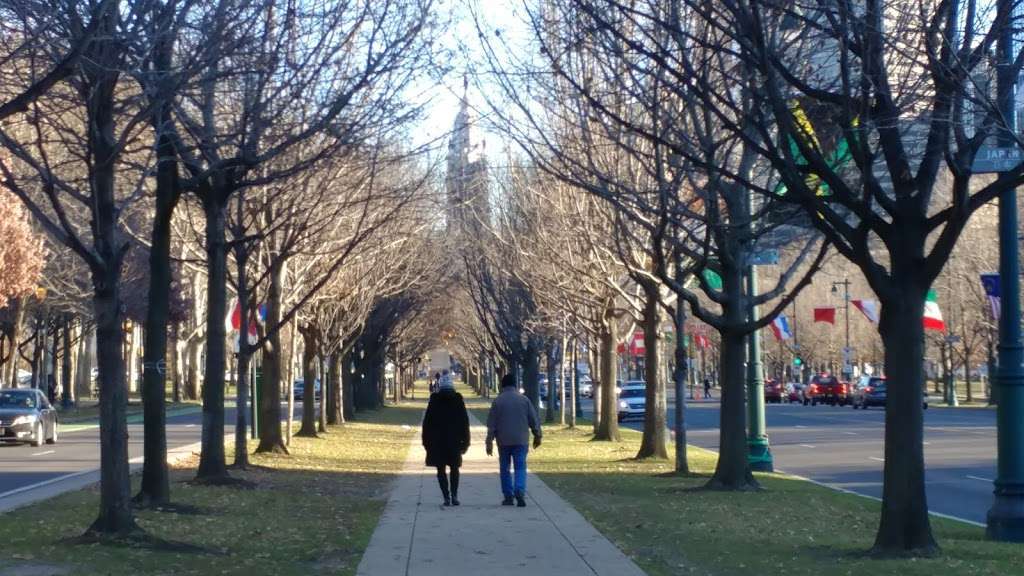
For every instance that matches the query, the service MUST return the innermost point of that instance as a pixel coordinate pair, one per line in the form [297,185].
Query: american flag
[990,282]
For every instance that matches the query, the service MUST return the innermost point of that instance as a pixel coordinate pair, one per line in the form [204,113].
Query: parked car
[774,391]
[874,392]
[632,399]
[299,387]
[27,416]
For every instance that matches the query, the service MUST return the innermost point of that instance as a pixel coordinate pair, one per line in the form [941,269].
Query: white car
[632,399]
[586,387]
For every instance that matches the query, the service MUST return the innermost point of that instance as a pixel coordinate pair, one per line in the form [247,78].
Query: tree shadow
[139,540]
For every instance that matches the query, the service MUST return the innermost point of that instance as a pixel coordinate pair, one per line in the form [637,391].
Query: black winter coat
[445,428]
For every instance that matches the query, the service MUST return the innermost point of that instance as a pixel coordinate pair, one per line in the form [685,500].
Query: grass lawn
[311,513]
[88,411]
[792,528]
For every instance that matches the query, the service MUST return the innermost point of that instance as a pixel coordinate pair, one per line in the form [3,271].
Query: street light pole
[1005,519]
[847,353]
[759,455]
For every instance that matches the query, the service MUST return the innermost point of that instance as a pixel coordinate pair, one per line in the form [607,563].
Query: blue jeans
[507,456]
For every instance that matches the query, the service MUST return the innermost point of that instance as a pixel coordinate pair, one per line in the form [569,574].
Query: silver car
[27,416]
[632,399]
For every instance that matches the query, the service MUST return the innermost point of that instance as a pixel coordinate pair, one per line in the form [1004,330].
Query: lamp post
[1005,520]
[847,353]
[759,455]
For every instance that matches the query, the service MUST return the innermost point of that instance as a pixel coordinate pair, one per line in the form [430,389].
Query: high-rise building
[466,182]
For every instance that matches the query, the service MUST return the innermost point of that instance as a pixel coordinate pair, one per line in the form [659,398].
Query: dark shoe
[520,501]
[447,501]
[507,501]
[455,501]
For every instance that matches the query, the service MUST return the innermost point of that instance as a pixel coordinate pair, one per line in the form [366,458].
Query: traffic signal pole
[1005,519]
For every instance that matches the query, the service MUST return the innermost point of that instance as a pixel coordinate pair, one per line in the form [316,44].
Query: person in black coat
[446,438]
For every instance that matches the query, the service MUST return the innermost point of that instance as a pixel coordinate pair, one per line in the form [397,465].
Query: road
[78,451]
[843,448]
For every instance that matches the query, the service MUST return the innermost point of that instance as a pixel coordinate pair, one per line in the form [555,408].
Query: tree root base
[717,485]
[885,553]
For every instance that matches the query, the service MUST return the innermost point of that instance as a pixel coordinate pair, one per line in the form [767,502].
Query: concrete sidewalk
[417,536]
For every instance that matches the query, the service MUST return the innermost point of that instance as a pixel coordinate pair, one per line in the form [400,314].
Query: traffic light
[798,361]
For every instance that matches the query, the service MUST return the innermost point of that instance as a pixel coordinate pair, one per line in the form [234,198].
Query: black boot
[442,480]
[507,501]
[455,486]
[520,500]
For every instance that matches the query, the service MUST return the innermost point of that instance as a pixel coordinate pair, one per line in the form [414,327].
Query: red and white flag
[869,308]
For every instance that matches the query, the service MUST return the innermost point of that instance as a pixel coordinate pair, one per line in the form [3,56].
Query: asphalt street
[78,450]
[844,448]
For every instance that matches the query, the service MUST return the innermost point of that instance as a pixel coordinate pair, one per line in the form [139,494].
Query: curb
[26,495]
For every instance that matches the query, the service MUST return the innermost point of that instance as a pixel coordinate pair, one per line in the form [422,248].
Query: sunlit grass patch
[670,526]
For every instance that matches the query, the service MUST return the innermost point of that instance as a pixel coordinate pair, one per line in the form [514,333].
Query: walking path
[417,536]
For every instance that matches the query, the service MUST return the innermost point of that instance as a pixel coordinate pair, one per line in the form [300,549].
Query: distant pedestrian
[435,383]
[510,421]
[446,379]
[707,387]
[446,438]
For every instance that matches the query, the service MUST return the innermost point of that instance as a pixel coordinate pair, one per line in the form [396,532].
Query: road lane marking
[850,433]
[808,445]
[44,453]
[876,458]
[190,425]
[799,426]
[980,478]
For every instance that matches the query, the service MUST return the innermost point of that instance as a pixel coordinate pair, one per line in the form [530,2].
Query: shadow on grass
[140,540]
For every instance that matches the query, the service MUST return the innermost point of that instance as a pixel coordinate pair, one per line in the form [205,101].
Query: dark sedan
[874,392]
[27,416]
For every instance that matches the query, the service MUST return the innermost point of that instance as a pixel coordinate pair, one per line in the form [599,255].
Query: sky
[462,40]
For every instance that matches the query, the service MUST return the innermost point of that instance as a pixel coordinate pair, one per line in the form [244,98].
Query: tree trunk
[270,394]
[156,486]
[594,360]
[115,515]
[245,351]
[67,371]
[905,525]
[680,378]
[654,443]
[309,355]
[86,354]
[607,398]
[733,469]
[552,374]
[348,406]
[18,315]
[531,373]
[174,347]
[334,413]
[212,463]
[289,383]
[321,409]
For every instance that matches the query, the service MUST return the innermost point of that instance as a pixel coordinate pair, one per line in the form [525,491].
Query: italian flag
[932,314]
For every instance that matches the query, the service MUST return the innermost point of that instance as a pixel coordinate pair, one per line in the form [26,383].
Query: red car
[774,391]
[825,389]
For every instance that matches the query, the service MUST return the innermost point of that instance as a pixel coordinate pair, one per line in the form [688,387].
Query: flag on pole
[637,344]
[932,314]
[990,282]
[825,315]
[869,308]
[780,327]
[234,319]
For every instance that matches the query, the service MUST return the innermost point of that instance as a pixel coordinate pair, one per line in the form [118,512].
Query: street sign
[991,159]
[769,257]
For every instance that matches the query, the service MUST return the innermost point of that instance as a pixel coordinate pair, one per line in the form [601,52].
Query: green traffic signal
[798,361]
